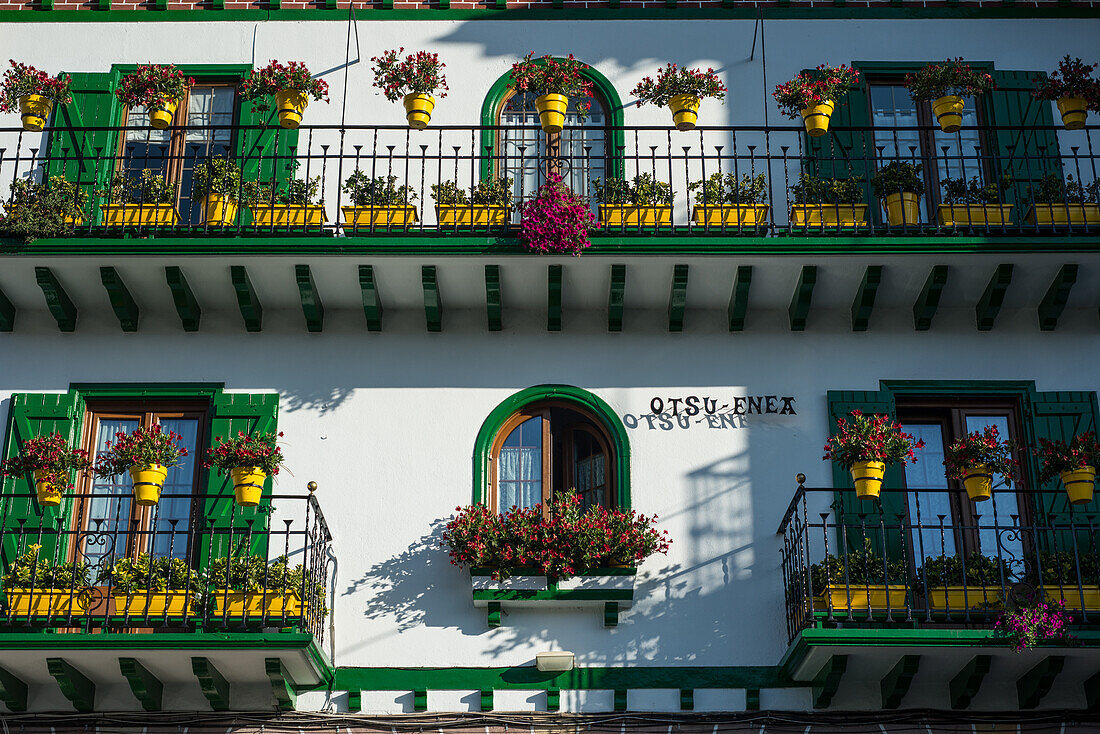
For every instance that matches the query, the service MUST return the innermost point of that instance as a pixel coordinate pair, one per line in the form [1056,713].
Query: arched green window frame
[495,98]
[592,404]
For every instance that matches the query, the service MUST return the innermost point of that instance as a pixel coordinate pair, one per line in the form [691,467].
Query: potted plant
[291,85]
[555,219]
[827,202]
[37,587]
[378,202]
[681,90]
[145,200]
[1068,576]
[292,205]
[641,202]
[955,583]
[1028,625]
[250,586]
[51,461]
[34,93]
[1074,89]
[554,81]
[414,80]
[970,204]
[156,87]
[151,586]
[250,460]
[722,201]
[217,184]
[1074,463]
[489,203]
[976,457]
[814,94]
[945,85]
[50,209]
[1055,202]
[859,579]
[147,454]
[898,185]
[865,446]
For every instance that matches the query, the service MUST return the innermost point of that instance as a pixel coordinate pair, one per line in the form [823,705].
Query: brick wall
[470,5]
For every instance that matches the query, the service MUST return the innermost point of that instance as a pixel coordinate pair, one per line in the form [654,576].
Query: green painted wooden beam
[827,680]
[147,688]
[372,298]
[677,298]
[271,4]
[433,302]
[493,614]
[420,700]
[122,301]
[312,307]
[896,684]
[355,701]
[553,297]
[494,301]
[103,4]
[487,699]
[282,688]
[611,614]
[620,699]
[251,310]
[616,297]
[687,699]
[7,313]
[803,294]
[444,4]
[752,699]
[990,303]
[553,699]
[187,306]
[864,302]
[13,691]
[924,308]
[739,298]
[966,683]
[74,685]
[57,300]
[1092,692]
[213,684]
[1054,302]
[1037,682]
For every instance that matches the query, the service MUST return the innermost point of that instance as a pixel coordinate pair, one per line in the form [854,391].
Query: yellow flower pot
[379,216]
[551,109]
[978,481]
[219,210]
[867,476]
[161,114]
[828,215]
[248,484]
[255,604]
[418,109]
[974,215]
[469,216]
[859,596]
[902,209]
[152,603]
[1061,215]
[47,602]
[734,215]
[685,111]
[958,598]
[34,110]
[1079,484]
[949,112]
[291,103]
[635,216]
[48,493]
[1085,597]
[148,482]
[139,215]
[816,118]
[287,215]
[1074,112]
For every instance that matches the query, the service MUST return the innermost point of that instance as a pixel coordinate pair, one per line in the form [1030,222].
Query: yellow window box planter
[635,216]
[143,215]
[1059,215]
[856,597]
[257,604]
[959,598]
[47,602]
[468,216]
[399,215]
[1089,594]
[284,215]
[974,215]
[153,604]
[738,215]
[828,215]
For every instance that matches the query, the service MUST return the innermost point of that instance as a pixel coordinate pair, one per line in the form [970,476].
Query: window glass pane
[995,517]
[109,510]
[926,508]
[589,469]
[519,466]
[207,106]
[173,514]
[895,122]
[143,146]
[958,155]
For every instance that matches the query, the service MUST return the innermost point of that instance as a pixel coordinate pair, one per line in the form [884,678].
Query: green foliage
[856,568]
[295,192]
[148,187]
[493,192]
[951,77]
[898,177]
[38,210]
[810,189]
[380,191]
[30,570]
[722,188]
[1061,568]
[219,175]
[642,190]
[1051,189]
[150,573]
[948,571]
[961,191]
[254,574]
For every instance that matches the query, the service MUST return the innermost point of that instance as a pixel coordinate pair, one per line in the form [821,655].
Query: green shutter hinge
[493,614]
[486,699]
[620,699]
[420,700]
[553,699]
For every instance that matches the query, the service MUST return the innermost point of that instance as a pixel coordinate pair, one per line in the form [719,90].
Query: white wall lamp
[556,661]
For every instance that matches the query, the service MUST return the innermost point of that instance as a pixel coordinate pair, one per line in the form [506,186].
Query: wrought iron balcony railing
[933,557]
[1034,164]
[190,562]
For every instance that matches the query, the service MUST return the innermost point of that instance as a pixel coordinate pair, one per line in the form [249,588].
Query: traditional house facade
[686,367]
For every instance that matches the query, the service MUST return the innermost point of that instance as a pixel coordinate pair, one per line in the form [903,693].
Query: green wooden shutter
[1030,150]
[32,415]
[1059,416]
[268,155]
[846,153]
[80,155]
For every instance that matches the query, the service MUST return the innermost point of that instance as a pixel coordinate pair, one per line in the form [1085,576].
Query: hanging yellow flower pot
[816,118]
[34,110]
[248,484]
[978,481]
[867,476]
[685,111]
[148,482]
[948,111]
[1079,484]
[1074,112]
[291,103]
[219,210]
[49,495]
[902,208]
[551,109]
[418,109]
[161,114]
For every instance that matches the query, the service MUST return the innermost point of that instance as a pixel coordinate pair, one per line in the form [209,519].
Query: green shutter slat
[1059,416]
[81,155]
[1030,150]
[845,153]
[269,154]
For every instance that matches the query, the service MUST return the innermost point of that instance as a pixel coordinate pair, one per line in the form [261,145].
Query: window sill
[609,589]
